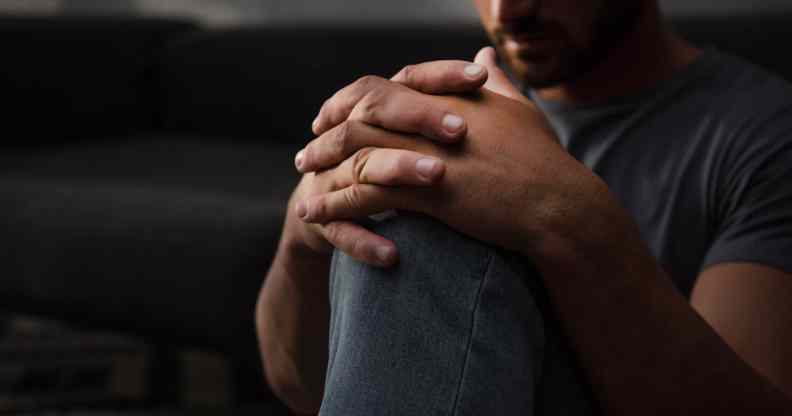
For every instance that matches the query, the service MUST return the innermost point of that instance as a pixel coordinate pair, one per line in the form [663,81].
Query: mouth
[536,35]
[530,44]
[530,37]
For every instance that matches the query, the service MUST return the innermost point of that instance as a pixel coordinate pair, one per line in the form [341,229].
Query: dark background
[234,12]
[145,164]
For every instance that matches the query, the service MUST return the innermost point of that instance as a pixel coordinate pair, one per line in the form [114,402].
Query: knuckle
[340,142]
[333,232]
[334,106]
[367,82]
[317,208]
[359,161]
[408,74]
[353,196]
[366,108]
[424,118]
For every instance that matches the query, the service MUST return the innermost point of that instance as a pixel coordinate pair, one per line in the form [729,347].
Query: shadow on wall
[233,12]
[224,12]
[723,7]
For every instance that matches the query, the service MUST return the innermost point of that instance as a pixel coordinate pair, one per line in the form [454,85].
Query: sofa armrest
[270,82]
[67,77]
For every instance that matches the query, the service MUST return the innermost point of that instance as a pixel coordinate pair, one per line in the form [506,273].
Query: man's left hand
[508,181]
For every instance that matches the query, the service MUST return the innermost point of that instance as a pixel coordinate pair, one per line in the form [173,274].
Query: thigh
[453,329]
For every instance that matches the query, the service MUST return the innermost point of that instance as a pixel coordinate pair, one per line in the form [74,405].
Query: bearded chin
[610,31]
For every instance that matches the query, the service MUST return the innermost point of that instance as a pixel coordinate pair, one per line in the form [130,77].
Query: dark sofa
[146,163]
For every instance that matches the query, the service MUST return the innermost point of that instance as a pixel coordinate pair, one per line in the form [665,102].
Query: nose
[504,11]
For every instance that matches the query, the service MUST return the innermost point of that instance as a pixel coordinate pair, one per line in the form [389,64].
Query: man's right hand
[437,77]
[293,303]
[301,238]
[318,240]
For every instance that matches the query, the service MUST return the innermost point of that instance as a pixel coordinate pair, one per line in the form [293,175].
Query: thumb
[497,81]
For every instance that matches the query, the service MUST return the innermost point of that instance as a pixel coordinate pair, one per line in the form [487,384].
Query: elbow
[283,377]
[299,399]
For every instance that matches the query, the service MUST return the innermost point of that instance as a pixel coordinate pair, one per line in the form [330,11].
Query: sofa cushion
[66,77]
[759,38]
[170,237]
[270,82]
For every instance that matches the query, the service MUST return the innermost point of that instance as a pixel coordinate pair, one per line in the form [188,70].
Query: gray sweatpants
[457,328]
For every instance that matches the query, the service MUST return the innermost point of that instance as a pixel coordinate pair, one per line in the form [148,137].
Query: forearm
[645,349]
[292,325]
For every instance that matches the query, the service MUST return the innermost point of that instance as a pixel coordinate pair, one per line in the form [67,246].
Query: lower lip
[529,45]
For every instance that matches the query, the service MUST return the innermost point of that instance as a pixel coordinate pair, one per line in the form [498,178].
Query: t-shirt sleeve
[753,212]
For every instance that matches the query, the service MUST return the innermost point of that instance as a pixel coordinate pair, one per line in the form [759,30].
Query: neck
[651,53]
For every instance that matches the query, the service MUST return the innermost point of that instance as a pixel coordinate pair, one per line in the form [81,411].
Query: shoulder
[740,92]
[745,109]
[748,163]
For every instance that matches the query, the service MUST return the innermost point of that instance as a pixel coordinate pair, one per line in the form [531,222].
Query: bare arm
[750,306]
[292,313]
[647,350]
[292,325]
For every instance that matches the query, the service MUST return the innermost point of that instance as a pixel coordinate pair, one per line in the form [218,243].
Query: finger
[337,108]
[385,167]
[392,167]
[344,140]
[392,106]
[442,77]
[497,81]
[408,111]
[353,202]
[360,243]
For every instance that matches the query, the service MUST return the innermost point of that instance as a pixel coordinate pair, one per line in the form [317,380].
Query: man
[645,180]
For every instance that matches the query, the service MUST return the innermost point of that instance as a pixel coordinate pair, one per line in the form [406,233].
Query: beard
[570,59]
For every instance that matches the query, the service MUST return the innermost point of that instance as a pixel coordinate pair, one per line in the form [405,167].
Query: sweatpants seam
[479,292]
[332,348]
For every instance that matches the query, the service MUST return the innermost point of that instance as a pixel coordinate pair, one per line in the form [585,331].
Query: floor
[53,368]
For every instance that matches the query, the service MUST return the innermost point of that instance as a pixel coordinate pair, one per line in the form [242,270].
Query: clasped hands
[449,139]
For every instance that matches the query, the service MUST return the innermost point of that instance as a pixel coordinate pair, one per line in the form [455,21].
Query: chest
[664,175]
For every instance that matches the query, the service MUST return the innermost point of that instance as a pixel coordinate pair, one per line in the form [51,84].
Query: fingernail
[473,71]
[302,210]
[315,123]
[298,160]
[452,123]
[427,167]
[384,254]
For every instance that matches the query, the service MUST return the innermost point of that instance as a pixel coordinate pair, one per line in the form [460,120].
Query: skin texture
[503,135]
[292,305]
[748,304]
[565,37]
[645,348]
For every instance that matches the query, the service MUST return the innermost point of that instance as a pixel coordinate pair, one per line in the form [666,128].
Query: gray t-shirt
[702,161]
